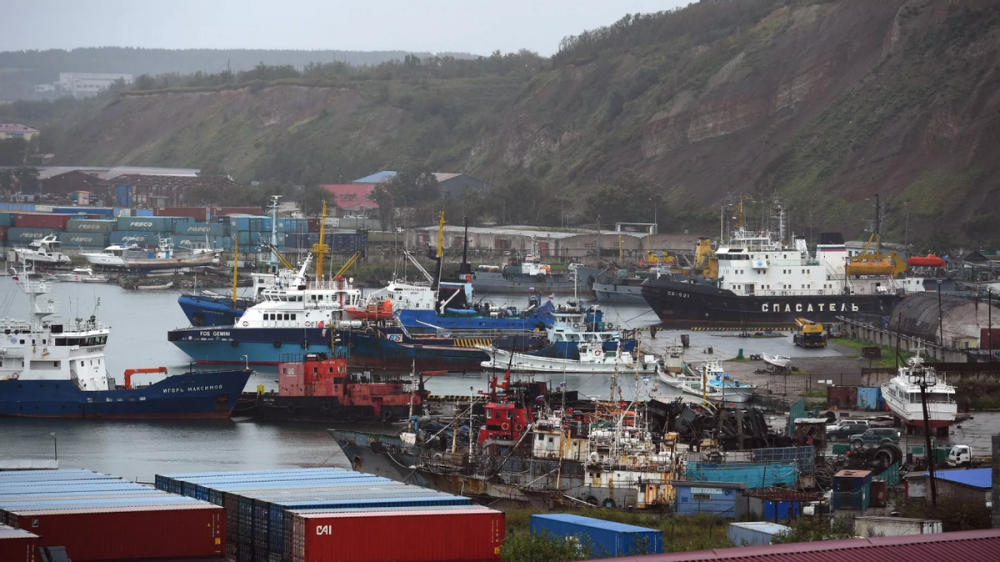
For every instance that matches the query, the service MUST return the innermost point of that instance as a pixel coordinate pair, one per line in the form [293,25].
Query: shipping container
[755,533]
[143,239]
[416,536]
[201,214]
[314,224]
[147,224]
[6,218]
[229,211]
[249,224]
[248,239]
[15,207]
[202,229]
[293,225]
[77,210]
[185,531]
[3,233]
[91,226]
[20,236]
[41,220]
[17,545]
[89,240]
[304,484]
[38,476]
[603,539]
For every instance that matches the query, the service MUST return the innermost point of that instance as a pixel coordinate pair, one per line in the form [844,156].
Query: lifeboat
[875,264]
[380,311]
[930,260]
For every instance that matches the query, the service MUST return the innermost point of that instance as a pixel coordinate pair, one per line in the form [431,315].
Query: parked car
[843,422]
[875,436]
[844,432]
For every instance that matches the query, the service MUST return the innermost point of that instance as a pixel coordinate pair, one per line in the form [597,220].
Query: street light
[925,377]
[55,446]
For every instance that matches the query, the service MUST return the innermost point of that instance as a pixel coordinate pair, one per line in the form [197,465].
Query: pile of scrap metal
[732,428]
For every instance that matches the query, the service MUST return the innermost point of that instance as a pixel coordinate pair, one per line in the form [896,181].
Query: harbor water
[139,449]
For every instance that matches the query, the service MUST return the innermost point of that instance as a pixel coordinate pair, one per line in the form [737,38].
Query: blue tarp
[870,398]
[754,475]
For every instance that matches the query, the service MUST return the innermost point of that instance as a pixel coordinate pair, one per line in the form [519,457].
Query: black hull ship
[682,304]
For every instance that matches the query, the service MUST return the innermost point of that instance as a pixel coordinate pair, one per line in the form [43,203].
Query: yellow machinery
[872,261]
[810,334]
[321,249]
[705,260]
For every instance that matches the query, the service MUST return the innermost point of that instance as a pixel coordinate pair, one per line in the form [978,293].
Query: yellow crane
[321,249]
[810,334]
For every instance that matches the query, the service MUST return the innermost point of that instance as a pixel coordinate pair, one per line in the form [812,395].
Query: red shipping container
[199,214]
[986,335]
[41,220]
[226,211]
[3,233]
[314,225]
[127,533]
[471,535]
[17,545]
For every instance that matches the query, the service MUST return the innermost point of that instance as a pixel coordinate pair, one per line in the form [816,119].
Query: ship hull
[191,395]
[265,346]
[610,292]
[322,409]
[428,321]
[544,483]
[489,282]
[204,310]
[689,304]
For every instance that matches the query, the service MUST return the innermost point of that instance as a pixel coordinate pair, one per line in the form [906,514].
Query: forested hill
[823,102]
[21,70]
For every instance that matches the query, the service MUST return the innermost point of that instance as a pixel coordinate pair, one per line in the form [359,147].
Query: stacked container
[99,517]
[269,514]
[17,545]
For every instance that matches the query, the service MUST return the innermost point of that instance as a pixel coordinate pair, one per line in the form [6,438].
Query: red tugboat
[318,387]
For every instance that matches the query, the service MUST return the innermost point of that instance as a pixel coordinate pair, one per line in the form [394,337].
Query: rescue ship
[763,282]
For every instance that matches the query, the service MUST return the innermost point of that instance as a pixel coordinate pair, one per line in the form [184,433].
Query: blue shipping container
[870,398]
[6,219]
[753,475]
[84,239]
[146,224]
[19,236]
[604,539]
[716,498]
[201,229]
[91,225]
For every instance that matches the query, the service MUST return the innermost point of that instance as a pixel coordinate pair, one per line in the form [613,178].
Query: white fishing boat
[46,250]
[711,383]
[593,359]
[80,275]
[779,361]
[902,395]
[131,256]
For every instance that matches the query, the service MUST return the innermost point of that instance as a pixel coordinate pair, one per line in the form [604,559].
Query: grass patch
[888,360]
[816,393]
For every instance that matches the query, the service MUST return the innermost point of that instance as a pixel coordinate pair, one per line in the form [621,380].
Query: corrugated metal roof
[976,477]
[591,522]
[376,177]
[973,545]
[352,195]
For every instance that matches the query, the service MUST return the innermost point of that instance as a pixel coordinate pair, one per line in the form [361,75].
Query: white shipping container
[755,533]
[873,526]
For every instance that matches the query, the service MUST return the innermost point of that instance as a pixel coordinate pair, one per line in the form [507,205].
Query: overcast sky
[475,26]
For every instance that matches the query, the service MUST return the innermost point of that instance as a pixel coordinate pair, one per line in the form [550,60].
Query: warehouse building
[495,244]
[451,184]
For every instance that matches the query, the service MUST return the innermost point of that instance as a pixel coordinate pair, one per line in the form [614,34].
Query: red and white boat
[902,396]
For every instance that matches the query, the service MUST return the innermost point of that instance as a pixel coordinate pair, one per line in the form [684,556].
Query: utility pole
[925,377]
[940,316]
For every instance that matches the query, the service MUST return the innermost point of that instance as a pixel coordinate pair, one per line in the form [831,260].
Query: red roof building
[354,198]
[966,545]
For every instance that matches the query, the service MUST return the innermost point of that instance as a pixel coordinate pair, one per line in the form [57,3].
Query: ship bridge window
[541,437]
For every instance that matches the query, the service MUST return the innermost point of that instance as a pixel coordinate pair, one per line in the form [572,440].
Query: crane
[810,333]
[321,248]
[347,265]
[284,262]
[130,372]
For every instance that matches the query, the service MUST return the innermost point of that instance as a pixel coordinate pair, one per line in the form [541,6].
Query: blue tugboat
[53,369]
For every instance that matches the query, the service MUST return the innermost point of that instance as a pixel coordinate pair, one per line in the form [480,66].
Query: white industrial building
[87,84]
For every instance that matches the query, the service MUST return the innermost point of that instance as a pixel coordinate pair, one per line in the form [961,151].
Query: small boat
[155,287]
[131,256]
[46,250]
[593,359]
[80,275]
[902,396]
[930,260]
[373,311]
[712,384]
[779,361]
